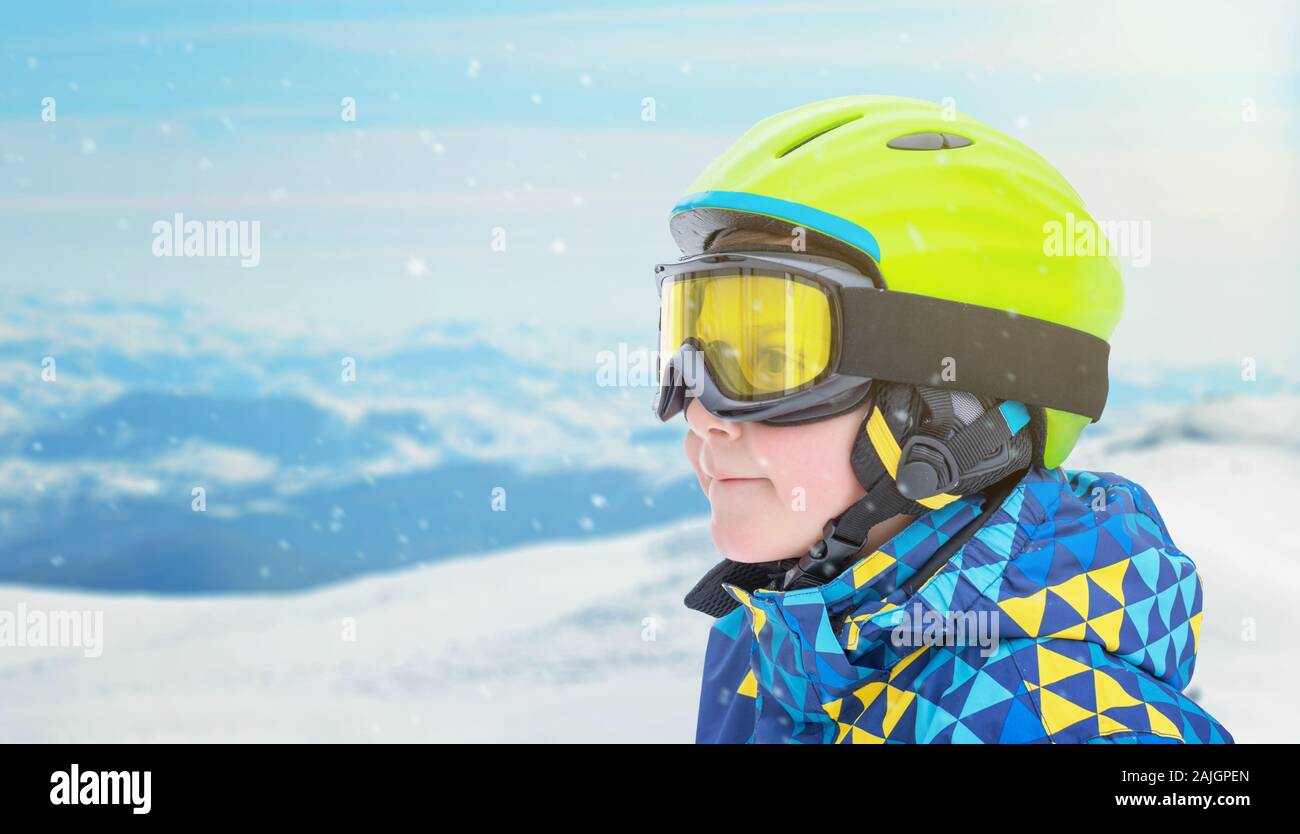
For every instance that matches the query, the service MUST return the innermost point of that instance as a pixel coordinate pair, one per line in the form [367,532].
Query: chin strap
[844,538]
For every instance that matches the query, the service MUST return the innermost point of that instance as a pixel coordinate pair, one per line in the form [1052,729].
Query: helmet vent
[819,132]
[928,141]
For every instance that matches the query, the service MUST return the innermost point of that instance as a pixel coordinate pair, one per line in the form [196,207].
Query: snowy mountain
[553,641]
[315,460]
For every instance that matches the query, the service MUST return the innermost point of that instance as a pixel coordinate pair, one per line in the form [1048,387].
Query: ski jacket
[1067,616]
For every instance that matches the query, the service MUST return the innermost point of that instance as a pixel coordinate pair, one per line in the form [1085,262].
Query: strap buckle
[823,562]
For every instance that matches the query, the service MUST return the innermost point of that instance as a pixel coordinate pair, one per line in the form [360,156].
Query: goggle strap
[919,340]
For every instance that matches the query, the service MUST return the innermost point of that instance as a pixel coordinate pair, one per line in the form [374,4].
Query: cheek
[812,460]
[811,479]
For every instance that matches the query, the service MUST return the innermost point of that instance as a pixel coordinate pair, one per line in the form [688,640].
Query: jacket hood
[1069,614]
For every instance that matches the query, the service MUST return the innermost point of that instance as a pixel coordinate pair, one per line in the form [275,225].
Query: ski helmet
[937,204]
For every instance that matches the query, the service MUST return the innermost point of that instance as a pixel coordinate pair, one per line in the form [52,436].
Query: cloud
[31,480]
[199,461]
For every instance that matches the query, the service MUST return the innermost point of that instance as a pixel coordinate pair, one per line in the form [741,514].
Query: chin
[752,540]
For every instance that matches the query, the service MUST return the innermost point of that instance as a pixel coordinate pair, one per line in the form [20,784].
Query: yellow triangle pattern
[1111,579]
[1074,632]
[1058,713]
[869,693]
[1053,667]
[759,615]
[749,686]
[1074,591]
[1107,725]
[871,567]
[1107,627]
[1110,694]
[854,635]
[855,622]
[1026,612]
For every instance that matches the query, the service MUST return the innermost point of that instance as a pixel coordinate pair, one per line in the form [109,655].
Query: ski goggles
[788,338]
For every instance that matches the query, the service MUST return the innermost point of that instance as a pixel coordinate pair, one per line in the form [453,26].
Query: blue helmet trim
[797,213]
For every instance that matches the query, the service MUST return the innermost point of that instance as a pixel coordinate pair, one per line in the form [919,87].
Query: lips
[729,478]
[724,477]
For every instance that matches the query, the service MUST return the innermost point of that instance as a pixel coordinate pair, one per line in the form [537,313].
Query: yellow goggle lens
[763,335]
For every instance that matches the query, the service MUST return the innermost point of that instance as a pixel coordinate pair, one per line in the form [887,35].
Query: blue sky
[527,117]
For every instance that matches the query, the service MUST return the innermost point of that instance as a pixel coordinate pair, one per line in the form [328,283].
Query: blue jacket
[1068,617]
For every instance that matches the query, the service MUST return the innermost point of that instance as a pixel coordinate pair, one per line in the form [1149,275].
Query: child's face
[772,488]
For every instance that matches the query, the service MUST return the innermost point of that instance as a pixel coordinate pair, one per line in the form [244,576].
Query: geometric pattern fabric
[1069,617]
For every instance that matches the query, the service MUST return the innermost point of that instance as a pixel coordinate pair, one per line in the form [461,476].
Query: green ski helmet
[942,205]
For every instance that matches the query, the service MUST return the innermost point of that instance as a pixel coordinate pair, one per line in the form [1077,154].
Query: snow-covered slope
[551,642]
[580,641]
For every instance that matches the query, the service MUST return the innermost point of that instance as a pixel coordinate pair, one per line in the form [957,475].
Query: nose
[704,424]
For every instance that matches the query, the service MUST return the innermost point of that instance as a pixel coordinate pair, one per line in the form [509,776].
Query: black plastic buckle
[825,560]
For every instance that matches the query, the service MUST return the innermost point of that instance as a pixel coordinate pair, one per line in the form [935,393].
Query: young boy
[882,370]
